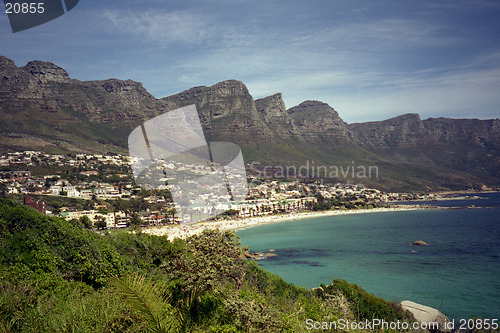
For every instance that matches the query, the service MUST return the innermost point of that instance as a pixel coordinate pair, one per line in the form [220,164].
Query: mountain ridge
[41,107]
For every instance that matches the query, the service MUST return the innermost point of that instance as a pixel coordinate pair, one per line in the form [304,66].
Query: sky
[370,60]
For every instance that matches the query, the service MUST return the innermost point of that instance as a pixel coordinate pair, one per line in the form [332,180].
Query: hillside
[42,108]
[58,276]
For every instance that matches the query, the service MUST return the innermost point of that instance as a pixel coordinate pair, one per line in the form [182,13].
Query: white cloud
[464,94]
[381,34]
[159,26]
[363,68]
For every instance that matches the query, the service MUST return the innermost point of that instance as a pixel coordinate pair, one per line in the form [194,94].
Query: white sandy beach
[186,230]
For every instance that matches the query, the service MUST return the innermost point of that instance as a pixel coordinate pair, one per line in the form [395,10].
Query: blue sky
[370,60]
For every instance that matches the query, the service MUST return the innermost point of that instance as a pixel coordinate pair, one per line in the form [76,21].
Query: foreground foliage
[59,277]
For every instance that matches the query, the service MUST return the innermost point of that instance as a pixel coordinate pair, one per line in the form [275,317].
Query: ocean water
[458,272]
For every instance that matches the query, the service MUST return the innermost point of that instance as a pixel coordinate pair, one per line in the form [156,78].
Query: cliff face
[273,112]
[409,130]
[41,107]
[313,120]
[117,100]
[226,110]
[457,143]
[45,72]
[402,131]
[46,87]
[20,88]
[475,131]
[465,151]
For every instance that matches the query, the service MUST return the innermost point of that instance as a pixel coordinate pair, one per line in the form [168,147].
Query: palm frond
[148,299]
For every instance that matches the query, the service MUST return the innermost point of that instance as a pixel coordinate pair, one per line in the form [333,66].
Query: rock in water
[419,242]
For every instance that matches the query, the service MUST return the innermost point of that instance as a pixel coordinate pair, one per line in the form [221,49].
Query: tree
[100,223]
[216,256]
[102,210]
[3,189]
[231,212]
[75,222]
[85,222]
[135,220]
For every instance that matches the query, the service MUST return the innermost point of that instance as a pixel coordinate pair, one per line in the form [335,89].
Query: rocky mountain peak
[445,129]
[311,105]
[406,118]
[315,109]
[401,131]
[119,100]
[120,86]
[11,77]
[315,119]
[273,112]
[46,71]
[6,62]
[225,109]
[271,106]
[406,124]
[275,97]
[230,87]
[202,94]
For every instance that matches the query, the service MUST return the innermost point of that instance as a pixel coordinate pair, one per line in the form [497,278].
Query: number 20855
[24,8]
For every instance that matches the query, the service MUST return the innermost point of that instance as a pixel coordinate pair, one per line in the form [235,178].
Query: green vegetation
[365,305]
[347,202]
[56,204]
[58,276]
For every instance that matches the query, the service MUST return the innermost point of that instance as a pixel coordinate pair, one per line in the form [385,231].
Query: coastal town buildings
[103,189]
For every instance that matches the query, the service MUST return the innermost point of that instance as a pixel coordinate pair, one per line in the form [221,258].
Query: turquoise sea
[458,272]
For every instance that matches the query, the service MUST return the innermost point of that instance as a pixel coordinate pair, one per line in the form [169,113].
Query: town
[98,191]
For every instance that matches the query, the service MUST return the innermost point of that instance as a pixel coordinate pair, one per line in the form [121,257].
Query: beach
[456,272]
[185,230]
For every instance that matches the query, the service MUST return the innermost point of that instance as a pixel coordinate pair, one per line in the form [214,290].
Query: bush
[365,305]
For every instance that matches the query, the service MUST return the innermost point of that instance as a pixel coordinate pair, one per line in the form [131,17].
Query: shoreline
[184,231]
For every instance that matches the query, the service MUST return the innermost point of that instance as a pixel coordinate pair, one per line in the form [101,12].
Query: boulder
[428,315]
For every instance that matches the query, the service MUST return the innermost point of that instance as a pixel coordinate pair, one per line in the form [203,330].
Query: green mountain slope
[56,276]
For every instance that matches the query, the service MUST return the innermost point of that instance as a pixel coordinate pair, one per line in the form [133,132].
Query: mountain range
[42,108]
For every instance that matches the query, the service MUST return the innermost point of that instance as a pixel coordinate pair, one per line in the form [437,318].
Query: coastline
[184,231]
